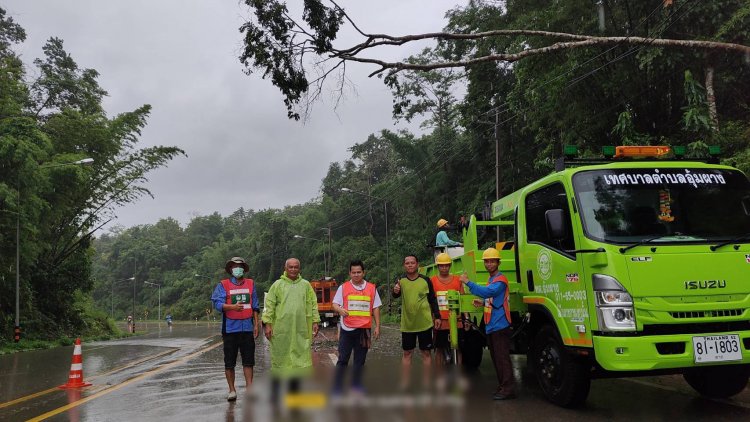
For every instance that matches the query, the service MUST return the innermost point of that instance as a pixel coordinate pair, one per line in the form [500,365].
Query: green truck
[627,266]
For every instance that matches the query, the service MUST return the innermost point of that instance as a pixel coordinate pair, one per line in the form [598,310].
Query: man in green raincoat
[290,318]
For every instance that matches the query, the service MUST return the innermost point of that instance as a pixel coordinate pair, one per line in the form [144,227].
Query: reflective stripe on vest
[488,302]
[442,300]
[359,304]
[243,294]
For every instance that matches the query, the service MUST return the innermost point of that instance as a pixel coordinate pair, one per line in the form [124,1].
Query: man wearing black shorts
[237,300]
[419,315]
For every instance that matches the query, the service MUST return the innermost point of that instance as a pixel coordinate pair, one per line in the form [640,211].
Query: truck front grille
[707,314]
[696,328]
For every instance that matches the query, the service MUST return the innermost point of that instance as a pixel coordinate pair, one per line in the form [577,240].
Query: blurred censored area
[386,395]
[448,393]
[311,400]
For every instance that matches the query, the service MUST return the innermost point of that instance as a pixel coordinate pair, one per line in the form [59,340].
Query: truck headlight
[614,305]
[613,298]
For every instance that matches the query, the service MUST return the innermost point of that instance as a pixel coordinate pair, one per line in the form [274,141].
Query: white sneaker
[232,396]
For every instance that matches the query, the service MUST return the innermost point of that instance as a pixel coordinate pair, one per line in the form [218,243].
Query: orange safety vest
[441,290]
[242,293]
[359,304]
[488,302]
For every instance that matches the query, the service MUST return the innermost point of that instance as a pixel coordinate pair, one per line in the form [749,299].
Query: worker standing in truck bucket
[442,239]
[497,322]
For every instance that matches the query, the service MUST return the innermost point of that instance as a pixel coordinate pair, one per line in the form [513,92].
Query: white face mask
[238,272]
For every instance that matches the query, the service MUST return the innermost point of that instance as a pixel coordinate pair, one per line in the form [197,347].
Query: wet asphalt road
[177,375]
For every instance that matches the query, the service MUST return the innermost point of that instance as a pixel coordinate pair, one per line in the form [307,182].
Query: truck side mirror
[555,224]
[746,204]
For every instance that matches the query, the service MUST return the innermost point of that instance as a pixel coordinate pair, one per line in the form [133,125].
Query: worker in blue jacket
[497,322]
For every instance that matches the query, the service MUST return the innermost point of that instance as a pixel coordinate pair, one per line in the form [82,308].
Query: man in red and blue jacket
[237,300]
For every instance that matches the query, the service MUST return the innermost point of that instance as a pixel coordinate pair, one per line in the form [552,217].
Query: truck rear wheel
[564,379]
[718,382]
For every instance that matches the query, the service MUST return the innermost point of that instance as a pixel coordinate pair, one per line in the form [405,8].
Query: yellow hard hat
[442,222]
[491,253]
[443,258]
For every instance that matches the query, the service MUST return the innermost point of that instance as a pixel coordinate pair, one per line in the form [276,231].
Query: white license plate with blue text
[723,348]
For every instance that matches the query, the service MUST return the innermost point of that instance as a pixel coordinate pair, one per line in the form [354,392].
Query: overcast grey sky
[180,56]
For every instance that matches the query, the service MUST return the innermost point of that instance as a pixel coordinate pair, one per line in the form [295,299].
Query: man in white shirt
[358,303]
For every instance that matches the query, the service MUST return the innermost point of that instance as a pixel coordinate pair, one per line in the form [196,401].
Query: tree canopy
[624,83]
[47,123]
[298,53]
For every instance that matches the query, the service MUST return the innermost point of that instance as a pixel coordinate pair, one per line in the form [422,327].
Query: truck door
[551,275]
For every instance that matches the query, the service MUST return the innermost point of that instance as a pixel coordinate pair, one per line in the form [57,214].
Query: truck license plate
[329,314]
[721,348]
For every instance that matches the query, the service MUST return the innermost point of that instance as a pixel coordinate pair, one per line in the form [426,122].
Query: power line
[391,192]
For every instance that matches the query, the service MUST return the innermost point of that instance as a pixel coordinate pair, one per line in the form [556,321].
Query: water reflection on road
[178,375]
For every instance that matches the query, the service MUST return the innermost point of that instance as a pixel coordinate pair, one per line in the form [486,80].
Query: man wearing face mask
[237,300]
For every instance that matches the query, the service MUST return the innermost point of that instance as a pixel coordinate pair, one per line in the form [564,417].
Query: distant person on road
[497,322]
[419,315]
[358,303]
[169,320]
[237,300]
[442,239]
[130,324]
[290,318]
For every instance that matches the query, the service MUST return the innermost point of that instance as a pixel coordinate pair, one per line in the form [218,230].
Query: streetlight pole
[387,246]
[135,269]
[325,261]
[196,275]
[330,250]
[17,327]
[159,286]
[112,293]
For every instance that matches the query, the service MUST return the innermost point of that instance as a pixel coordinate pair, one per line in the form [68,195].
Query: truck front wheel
[718,382]
[564,378]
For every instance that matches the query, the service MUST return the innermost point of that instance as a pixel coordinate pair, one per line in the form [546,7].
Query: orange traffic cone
[75,378]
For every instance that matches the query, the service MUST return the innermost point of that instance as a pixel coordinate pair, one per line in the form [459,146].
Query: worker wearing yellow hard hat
[443,258]
[442,239]
[442,283]
[497,321]
[491,253]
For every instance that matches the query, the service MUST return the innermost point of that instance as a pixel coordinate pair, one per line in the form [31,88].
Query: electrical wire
[391,193]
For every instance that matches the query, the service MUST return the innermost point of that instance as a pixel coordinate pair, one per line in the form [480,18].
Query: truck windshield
[678,205]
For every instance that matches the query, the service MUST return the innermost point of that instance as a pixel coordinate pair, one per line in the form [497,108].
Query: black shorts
[442,338]
[243,342]
[409,340]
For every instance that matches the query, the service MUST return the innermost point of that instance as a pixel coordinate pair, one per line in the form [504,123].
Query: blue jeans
[350,341]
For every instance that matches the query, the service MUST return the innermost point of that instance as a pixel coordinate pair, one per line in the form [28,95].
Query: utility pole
[330,250]
[497,164]
[135,270]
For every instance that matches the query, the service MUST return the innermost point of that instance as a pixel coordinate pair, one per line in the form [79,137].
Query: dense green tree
[45,125]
